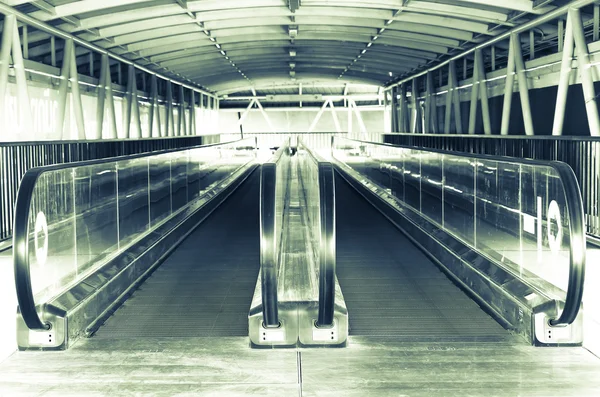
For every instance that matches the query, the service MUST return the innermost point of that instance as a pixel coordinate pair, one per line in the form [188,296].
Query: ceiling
[230,46]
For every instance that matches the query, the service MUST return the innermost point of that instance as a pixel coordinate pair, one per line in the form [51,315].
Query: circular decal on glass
[41,239]
[554,240]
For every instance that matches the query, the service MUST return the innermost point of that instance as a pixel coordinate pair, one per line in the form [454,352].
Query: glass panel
[134,196]
[458,197]
[83,215]
[96,209]
[412,179]
[514,213]
[432,201]
[309,177]
[52,233]
[160,187]
[179,179]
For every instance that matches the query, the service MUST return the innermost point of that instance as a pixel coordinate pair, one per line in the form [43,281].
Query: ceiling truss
[234,44]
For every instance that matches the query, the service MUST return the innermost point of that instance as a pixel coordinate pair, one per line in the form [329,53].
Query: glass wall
[515,213]
[80,216]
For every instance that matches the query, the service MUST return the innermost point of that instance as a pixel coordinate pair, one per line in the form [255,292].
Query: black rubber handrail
[25,299]
[269,241]
[327,248]
[577,249]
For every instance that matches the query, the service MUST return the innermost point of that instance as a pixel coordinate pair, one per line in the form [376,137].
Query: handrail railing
[270,233]
[21,235]
[574,204]
[573,150]
[327,247]
[577,252]
[18,157]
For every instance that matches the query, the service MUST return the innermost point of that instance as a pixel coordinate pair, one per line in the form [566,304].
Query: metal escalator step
[205,286]
[392,289]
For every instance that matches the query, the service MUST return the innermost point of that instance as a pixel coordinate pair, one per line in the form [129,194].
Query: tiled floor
[367,367]
[225,366]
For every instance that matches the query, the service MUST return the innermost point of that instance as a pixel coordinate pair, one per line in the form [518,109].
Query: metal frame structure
[232,44]
[35,50]
[508,48]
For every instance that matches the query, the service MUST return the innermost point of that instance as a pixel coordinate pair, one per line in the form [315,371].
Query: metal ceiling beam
[123,17]
[440,31]
[293,5]
[549,16]
[209,69]
[436,20]
[517,5]
[285,69]
[81,7]
[5,9]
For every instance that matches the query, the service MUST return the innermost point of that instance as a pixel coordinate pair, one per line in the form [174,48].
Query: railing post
[587,80]
[523,84]
[100,105]
[9,22]
[181,127]
[394,109]
[169,118]
[508,89]
[430,107]
[192,120]
[404,116]
[485,106]
[154,116]
[415,119]
[563,82]
[449,96]
[63,89]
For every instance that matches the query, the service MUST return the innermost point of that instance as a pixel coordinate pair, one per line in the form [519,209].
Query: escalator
[393,289]
[203,288]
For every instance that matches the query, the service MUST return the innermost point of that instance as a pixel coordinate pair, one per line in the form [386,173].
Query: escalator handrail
[574,202]
[21,231]
[268,239]
[327,248]
[577,251]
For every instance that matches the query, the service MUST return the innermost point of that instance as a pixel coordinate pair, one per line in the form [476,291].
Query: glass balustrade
[83,214]
[514,211]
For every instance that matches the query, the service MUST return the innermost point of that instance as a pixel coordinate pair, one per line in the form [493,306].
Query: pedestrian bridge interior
[185,208]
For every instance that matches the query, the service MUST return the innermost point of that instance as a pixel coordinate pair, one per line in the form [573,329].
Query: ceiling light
[212,39]
[222,52]
[375,38]
[292,53]
[369,45]
[292,73]
[293,31]
[389,22]
[292,65]
[363,51]
[218,45]
[391,74]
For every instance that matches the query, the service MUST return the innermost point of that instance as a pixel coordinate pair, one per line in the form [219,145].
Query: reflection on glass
[83,215]
[514,213]
[308,175]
